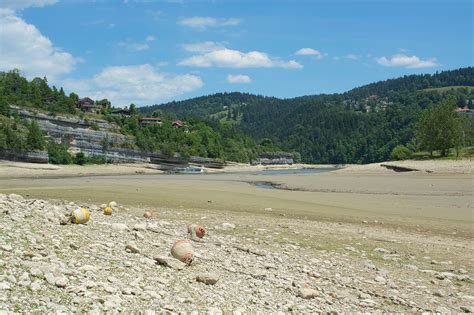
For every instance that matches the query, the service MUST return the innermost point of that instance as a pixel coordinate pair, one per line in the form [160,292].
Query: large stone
[207,278]
[169,262]
[120,227]
[132,248]
[307,293]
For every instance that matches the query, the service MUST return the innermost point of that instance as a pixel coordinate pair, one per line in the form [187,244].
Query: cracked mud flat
[261,263]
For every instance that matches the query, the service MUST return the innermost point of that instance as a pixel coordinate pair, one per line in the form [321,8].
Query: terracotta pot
[80,216]
[108,211]
[148,215]
[199,230]
[183,251]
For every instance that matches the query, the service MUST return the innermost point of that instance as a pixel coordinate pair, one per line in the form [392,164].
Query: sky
[149,52]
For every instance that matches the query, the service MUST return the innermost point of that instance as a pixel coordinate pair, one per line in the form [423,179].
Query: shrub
[80,159]
[400,152]
[58,154]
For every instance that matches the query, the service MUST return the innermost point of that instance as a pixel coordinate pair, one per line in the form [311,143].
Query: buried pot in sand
[183,251]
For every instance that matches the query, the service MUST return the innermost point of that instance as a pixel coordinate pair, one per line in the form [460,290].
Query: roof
[178,122]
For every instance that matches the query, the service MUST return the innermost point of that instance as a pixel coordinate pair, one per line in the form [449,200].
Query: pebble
[228,226]
[121,227]
[307,293]
[208,278]
[132,247]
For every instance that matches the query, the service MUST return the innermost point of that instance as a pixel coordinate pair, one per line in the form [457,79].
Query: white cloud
[203,47]
[132,46]
[310,52]
[140,84]
[22,46]
[23,4]
[348,56]
[229,58]
[401,60]
[150,38]
[238,78]
[203,22]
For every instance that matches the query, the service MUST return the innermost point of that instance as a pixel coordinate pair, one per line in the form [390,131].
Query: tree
[400,152]
[35,140]
[440,128]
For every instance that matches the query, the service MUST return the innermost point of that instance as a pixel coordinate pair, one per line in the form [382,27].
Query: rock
[364,296]
[113,302]
[103,206]
[467,309]
[169,262]
[5,286]
[108,211]
[112,204]
[439,293]
[120,227]
[228,226]
[6,247]
[15,197]
[207,278]
[307,293]
[381,250]
[268,209]
[380,279]
[140,227]
[61,282]
[132,248]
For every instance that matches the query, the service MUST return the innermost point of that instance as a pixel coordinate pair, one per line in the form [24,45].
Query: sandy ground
[441,201]
[425,218]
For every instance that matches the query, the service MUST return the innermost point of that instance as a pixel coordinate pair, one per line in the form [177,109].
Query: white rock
[132,248]
[121,227]
[228,226]
[307,293]
[140,227]
[112,204]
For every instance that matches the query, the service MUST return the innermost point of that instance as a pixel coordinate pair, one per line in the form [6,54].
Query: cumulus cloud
[401,60]
[228,58]
[203,47]
[138,84]
[310,52]
[203,22]
[23,4]
[25,48]
[238,78]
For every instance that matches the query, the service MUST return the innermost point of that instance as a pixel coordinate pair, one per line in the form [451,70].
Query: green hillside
[360,126]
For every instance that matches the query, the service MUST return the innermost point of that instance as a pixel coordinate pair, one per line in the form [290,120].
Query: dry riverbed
[336,241]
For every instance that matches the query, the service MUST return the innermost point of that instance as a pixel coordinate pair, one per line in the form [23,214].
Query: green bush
[58,154]
[401,152]
[80,159]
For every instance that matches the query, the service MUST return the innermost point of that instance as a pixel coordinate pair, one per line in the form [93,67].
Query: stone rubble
[122,263]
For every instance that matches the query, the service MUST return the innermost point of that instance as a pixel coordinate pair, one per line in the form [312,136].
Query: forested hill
[360,126]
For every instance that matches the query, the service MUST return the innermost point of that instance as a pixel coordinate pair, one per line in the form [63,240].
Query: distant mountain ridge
[359,126]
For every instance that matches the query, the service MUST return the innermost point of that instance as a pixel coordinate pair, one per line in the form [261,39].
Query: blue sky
[148,52]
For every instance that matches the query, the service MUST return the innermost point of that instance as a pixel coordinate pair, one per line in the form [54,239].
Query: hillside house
[87,105]
[146,121]
[178,124]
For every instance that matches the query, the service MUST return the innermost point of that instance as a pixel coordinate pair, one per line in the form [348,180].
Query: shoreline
[11,169]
